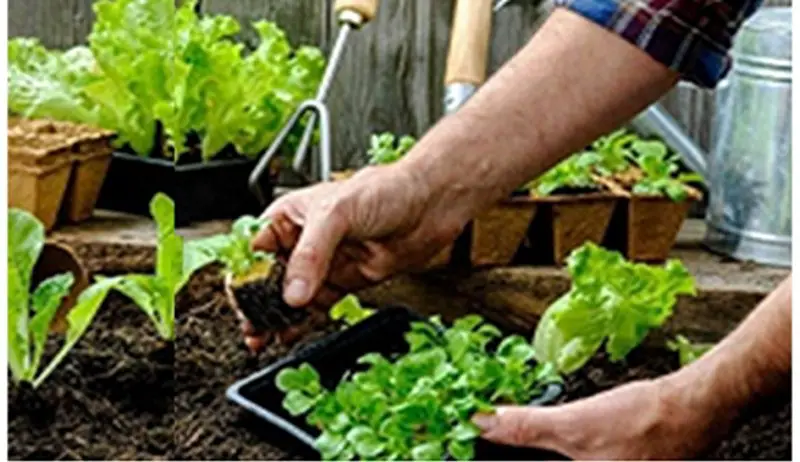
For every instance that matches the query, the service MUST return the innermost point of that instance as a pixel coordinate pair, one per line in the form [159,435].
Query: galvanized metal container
[749,214]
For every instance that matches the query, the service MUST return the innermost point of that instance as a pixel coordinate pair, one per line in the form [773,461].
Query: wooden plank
[57,23]
[513,27]
[390,78]
[303,20]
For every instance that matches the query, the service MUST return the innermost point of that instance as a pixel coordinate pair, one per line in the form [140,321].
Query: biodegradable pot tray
[565,222]
[55,168]
[644,228]
[498,233]
[202,191]
[336,354]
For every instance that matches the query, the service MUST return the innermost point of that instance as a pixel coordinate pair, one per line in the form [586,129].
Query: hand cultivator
[352,15]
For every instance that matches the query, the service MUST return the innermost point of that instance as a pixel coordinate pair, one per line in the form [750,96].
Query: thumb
[311,258]
[531,427]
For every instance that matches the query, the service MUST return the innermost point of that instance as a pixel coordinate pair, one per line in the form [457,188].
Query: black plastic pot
[212,190]
[335,355]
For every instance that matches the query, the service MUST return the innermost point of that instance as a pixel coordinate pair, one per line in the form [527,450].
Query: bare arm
[573,82]
[754,360]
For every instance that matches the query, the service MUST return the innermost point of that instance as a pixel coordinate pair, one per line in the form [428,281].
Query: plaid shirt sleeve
[692,37]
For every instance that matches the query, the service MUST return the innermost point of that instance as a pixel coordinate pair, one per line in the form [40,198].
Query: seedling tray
[212,190]
[335,355]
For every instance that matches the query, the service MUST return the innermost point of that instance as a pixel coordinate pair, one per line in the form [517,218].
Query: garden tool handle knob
[356,12]
[469,42]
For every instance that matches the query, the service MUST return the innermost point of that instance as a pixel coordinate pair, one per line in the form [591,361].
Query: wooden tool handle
[366,8]
[469,42]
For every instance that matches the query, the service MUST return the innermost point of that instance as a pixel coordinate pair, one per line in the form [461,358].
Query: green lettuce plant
[385,148]
[576,172]
[688,352]
[151,64]
[660,170]
[234,249]
[418,406]
[612,302]
[175,263]
[30,314]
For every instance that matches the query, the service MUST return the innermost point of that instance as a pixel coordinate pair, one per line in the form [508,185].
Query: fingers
[520,426]
[311,258]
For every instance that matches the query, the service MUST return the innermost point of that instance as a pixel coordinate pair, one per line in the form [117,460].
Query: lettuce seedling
[386,149]
[614,150]
[350,311]
[30,314]
[660,169]
[613,302]
[417,406]
[234,250]
[687,351]
[575,172]
[155,293]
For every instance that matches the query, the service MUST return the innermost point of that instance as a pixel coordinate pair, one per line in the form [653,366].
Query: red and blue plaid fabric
[692,37]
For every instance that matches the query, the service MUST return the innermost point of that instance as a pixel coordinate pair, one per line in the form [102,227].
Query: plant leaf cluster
[611,302]
[153,64]
[615,154]
[30,314]
[661,171]
[385,148]
[417,406]
[687,351]
[234,249]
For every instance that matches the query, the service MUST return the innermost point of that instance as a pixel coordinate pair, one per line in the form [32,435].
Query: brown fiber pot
[565,222]
[38,185]
[88,172]
[498,233]
[55,165]
[644,228]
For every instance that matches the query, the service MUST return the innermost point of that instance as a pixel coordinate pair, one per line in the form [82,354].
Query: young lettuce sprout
[386,149]
[418,406]
[660,171]
[31,314]
[253,279]
[687,351]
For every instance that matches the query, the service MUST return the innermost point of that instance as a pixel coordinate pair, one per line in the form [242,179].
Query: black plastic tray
[336,354]
[211,190]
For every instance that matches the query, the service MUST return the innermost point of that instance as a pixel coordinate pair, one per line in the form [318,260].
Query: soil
[124,394]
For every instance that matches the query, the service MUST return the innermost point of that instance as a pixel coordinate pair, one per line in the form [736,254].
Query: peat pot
[750,206]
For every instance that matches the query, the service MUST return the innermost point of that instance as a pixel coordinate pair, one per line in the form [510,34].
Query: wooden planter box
[55,169]
[565,222]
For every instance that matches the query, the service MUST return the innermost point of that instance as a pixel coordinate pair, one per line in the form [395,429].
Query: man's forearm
[753,361]
[573,82]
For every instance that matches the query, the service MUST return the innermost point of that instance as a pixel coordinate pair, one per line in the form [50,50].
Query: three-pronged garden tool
[352,15]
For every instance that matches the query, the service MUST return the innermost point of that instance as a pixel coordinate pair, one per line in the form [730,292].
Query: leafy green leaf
[465,431]
[304,378]
[386,149]
[297,402]
[574,173]
[461,450]
[365,441]
[349,310]
[330,445]
[688,352]
[427,451]
[45,302]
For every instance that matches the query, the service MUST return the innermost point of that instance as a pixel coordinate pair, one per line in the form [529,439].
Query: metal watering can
[749,216]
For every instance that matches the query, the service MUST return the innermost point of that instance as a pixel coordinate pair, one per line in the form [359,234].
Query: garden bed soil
[122,395]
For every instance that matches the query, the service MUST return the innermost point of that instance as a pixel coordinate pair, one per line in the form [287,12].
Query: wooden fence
[392,72]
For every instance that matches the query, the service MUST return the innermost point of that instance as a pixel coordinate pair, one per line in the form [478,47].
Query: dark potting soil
[123,394]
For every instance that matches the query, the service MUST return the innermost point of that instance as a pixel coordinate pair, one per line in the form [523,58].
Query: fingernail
[296,292]
[484,421]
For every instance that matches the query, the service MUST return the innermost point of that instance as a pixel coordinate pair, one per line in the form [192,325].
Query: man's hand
[638,421]
[346,235]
